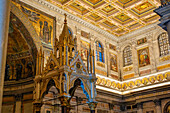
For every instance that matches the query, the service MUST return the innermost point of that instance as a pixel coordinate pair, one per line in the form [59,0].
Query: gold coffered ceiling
[118,17]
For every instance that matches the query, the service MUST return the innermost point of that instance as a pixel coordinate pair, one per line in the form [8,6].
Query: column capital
[157,102]
[18,97]
[64,101]
[37,105]
[92,105]
[139,105]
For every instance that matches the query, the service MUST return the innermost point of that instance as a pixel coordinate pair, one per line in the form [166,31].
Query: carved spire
[65,36]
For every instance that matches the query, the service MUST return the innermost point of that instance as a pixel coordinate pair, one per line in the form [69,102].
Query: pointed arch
[79,82]
[47,86]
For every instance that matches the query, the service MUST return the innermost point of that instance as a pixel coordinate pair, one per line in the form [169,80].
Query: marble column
[111,107]
[18,104]
[4,25]
[158,106]
[92,106]
[140,107]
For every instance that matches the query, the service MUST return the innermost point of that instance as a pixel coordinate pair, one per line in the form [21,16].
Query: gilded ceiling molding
[149,28]
[71,16]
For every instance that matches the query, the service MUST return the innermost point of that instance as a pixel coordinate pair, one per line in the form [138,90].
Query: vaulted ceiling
[115,16]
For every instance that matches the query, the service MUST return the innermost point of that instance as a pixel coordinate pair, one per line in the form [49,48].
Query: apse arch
[27,24]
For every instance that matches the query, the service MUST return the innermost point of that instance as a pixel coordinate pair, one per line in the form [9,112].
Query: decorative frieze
[133,83]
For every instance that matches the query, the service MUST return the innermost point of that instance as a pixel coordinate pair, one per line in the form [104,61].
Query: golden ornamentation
[128,76]
[160,77]
[103,82]
[145,81]
[100,64]
[113,84]
[152,79]
[167,75]
[163,67]
[138,83]
[119,86]
[131,84]
[165,58]
[126,69]
[137,16]
[124,86]
[108,83]
[98,80]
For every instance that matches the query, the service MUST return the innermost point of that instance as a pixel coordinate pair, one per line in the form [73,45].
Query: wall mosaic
[19,62]
[141,41]
[84,34]
[113,62]
[112,47]
[42,23]
[84,48]
[143,57]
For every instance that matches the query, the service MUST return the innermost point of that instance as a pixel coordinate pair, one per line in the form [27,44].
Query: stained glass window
[163,44]
[99,52]
[127,56]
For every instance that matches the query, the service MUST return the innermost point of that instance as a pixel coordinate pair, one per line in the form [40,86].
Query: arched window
[127,56]
[163,44]
[99,52]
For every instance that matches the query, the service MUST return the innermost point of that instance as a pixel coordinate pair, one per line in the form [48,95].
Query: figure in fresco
[18,71]
[33,16]
[7,69]
[64,84]
[143,58]
[46,32]
[29,69]
[41,29]
[113,63]
[168,109]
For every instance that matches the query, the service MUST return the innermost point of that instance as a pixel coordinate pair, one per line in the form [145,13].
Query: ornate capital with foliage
[92,105]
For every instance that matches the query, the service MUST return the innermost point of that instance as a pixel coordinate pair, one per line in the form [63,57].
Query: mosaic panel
[143,57]
[141,41]
[113,62]
[84,48]
[42,23]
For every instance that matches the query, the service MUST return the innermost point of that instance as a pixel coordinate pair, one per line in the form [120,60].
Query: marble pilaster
[107,58]
[151,52]
[120,62]
[140,107]
[158,106]
[135,58]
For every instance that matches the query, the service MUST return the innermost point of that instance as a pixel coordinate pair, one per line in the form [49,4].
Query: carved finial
[65,20]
